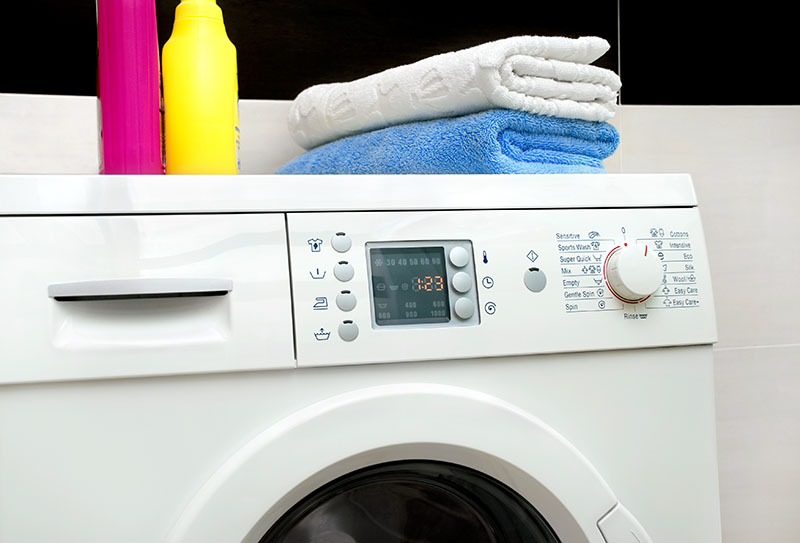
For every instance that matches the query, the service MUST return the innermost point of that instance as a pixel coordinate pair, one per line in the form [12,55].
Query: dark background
[666,53]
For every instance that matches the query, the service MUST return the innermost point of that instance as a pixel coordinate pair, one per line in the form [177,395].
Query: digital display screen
[409,285]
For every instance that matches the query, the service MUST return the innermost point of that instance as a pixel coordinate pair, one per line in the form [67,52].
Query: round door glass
[413,502]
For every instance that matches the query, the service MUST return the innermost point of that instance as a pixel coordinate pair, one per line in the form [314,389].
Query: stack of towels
[526,104]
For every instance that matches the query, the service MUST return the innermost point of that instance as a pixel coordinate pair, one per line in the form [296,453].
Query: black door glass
[413,502]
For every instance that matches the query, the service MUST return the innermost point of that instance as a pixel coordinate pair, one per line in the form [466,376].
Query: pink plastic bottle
[128,87]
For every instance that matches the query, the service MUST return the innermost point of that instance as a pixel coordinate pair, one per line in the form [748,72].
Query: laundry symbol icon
[321,303]
[316,245]
[322,335]
[316,274]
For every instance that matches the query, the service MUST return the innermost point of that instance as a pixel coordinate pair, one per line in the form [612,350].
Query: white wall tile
[58,134]
[744,164]
[266,144]
[758,434]
[48,134]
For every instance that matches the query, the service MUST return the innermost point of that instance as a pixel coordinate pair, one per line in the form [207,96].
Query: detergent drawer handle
[149,287]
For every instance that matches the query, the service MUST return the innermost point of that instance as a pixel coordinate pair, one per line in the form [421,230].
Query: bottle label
[236,123]
[161,119]
[101,165]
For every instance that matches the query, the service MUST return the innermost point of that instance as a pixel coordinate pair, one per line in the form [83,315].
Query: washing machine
[356,359]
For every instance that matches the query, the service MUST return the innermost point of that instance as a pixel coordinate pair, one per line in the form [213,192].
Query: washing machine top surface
[95,194]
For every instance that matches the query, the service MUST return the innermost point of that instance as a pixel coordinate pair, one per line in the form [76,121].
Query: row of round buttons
[463,307]
[345,300]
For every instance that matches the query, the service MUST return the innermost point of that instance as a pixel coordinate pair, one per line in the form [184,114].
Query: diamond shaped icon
[532,256]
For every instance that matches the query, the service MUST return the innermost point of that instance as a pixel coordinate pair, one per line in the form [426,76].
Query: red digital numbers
[428,283]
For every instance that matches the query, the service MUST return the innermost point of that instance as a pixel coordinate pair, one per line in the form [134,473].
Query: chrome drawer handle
[148,287]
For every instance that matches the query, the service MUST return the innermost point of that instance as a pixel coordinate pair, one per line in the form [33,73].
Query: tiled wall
[58,134]
[742,160]
[744,164]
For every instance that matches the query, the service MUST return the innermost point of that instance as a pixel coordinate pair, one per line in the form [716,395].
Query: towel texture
[494,141]
[549,76]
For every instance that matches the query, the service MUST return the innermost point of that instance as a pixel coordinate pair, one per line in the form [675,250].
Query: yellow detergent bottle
[200,86]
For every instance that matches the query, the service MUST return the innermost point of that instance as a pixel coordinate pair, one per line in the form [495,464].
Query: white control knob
[633,272]
[348,330]
[462,282]
[346,300]
[341,242]
[343,271]
[459,257]
[464,308]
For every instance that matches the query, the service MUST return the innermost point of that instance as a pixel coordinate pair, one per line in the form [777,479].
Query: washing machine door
[413,501]
[415,463]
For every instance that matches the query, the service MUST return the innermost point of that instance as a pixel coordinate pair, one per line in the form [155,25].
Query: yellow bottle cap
[198,8]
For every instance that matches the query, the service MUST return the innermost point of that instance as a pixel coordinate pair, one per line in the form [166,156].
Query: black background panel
[285,46]
[289,46]
[709,53]
[677,53]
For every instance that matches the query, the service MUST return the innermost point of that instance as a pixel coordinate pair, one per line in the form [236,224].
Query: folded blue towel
[493,141]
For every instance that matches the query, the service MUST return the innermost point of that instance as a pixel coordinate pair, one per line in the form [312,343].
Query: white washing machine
[356,360]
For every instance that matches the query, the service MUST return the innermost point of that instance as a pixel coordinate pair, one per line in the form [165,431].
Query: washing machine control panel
[422,283]
[373,287]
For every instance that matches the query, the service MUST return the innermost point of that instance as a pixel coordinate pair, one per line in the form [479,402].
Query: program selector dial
[633,272]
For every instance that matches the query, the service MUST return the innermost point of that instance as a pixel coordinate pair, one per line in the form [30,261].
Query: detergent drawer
[112,296]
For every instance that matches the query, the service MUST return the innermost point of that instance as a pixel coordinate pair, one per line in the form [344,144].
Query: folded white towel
[543,75]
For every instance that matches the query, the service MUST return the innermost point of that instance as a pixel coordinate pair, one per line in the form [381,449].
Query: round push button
[462,282]
[341,242]
[343,271]
[459,257]
[535,279]
[346,300]
[464,308]
[348,330]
